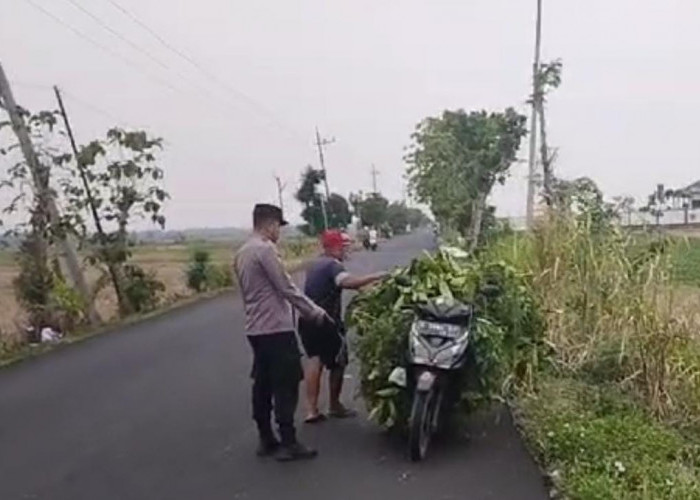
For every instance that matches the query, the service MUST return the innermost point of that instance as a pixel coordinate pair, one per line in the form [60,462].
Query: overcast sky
[365,72]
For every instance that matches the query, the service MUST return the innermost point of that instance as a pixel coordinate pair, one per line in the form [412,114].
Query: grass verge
[595,443]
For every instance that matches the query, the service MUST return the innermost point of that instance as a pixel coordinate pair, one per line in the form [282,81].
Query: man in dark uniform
[325,343]
[267,292]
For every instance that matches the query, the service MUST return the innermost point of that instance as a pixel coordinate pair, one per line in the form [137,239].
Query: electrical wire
[100,46]
[206,73]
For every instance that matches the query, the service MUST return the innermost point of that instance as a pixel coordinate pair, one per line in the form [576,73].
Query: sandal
[316,419]
[342,412]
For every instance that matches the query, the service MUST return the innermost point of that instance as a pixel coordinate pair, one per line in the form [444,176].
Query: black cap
[264,212]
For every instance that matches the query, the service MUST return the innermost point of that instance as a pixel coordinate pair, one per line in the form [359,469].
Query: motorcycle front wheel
[424,415]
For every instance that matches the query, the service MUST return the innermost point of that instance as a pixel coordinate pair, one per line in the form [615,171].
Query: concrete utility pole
[280,190]
[375,173]
[40,179]
[530,210]
[319,144]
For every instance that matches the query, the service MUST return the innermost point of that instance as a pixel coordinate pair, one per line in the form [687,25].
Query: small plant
[35,281]
[203,275]
[143,290]
[198,271]
[219,276]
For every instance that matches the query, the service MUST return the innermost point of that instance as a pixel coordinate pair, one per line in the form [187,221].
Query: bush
[35,281]
[202,275]
[219,276]
[198,270]
[143,290]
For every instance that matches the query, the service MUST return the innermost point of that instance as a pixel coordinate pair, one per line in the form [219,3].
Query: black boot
[268,444]
[295,451]
[267,447]
[291,449]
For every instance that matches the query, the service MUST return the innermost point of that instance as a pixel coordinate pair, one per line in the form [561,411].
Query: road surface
[160,410]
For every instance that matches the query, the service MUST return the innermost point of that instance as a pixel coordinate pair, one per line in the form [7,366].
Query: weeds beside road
[615,409]
[168,263]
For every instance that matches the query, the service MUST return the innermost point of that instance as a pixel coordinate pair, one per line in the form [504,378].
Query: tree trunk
[477,216]
[544,153]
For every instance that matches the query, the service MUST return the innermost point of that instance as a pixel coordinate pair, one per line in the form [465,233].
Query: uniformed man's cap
[265,212]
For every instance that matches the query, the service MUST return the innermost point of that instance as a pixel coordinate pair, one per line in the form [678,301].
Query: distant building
[692,195]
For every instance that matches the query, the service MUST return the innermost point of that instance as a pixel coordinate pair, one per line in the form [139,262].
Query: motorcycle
[438,352]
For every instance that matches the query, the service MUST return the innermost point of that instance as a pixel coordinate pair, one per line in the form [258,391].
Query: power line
[117,34]
[100,46]
[206,73]
[138,48]
[93,107]
[116,54]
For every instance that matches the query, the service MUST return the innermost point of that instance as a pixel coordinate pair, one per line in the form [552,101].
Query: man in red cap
[325,345]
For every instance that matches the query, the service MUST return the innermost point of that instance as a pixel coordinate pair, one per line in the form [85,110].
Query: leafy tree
[337,207]
[122,182]
[397,217]
[311,200]
[372,210]
[339,215]
[455,160]
[30,197]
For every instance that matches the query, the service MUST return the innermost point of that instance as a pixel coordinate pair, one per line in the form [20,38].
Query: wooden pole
[114,272]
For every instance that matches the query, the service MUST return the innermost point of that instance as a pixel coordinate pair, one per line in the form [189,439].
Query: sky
[257,77]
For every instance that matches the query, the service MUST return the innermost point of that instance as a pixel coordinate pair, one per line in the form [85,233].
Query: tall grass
[609,308]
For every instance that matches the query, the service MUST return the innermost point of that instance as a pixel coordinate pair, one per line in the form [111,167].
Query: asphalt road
[160,410]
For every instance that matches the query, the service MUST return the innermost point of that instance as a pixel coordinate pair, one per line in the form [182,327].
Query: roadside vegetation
[593,337]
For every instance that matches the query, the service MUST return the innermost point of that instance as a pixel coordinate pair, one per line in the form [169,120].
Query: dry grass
[167,261]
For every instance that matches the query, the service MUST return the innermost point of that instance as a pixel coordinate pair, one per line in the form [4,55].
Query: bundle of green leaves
[505,338]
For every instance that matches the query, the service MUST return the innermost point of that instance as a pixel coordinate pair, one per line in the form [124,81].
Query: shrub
[219,276]
[202,275]
[198,270]
[143,290]
[35,281]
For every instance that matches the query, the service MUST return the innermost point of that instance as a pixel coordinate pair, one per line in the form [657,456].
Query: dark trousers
[276,375]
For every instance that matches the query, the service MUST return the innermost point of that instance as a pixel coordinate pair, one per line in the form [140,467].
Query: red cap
[332,239]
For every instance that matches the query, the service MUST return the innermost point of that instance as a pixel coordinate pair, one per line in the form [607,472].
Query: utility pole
[375,172]
[113,271]
[40,179]
[280,189]
[319,144]
[530,210]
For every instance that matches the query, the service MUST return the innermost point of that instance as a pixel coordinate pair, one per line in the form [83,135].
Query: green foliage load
[505,337]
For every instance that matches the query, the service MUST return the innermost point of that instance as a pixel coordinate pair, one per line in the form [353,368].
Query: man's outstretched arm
[280,279]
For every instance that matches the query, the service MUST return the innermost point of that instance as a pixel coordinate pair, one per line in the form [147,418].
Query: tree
[397,217]
[455,160]
[337,207]
[123,181]
[42,227]
[373,210]
[548,78]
